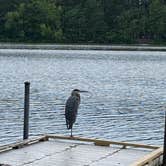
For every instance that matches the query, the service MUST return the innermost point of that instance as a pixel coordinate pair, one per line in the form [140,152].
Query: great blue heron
[71,108]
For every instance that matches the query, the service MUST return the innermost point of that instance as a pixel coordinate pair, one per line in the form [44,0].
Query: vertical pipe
[164,154]
[26,110]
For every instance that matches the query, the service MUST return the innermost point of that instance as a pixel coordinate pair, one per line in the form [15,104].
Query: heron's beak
[83,91]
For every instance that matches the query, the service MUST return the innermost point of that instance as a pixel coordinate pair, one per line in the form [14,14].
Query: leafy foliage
[38,20]
[83,21]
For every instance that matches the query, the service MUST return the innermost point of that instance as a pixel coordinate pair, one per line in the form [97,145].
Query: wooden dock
[53,150]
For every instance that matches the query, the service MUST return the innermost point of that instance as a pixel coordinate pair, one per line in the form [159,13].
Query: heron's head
[77,92]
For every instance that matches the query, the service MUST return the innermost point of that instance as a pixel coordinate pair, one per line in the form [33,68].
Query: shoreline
[83,47]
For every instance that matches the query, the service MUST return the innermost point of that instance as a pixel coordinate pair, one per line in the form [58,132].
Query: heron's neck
[76,95]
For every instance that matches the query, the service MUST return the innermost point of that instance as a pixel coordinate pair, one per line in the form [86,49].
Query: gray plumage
[71,108]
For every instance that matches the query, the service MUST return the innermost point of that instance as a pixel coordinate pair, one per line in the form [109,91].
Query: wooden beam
[21,144]
[103,142]
[149,157]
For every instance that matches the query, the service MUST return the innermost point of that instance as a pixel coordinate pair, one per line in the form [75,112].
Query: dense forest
[83,21]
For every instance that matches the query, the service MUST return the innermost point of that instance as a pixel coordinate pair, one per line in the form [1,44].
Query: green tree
[14,24]
[74,25]
[84,22]
[113,9]
[37,20]
[6,6]
[74,21]
[96,26]
[157,20]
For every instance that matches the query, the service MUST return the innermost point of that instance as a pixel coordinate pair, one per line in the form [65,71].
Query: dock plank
[69,153]
[123,158]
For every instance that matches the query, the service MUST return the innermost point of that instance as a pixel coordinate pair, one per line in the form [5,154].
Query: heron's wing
[72,104]
[71,108]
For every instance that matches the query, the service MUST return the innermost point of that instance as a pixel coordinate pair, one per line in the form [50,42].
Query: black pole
[26,110]
[164,154]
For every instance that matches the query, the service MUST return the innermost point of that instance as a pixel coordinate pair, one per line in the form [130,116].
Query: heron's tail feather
[69,125]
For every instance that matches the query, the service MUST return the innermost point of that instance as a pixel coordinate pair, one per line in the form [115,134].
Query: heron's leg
[71,133]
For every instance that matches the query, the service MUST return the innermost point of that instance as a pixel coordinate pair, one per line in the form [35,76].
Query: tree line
[83,21]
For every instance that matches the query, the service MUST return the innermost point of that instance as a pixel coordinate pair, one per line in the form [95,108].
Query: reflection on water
[126,103]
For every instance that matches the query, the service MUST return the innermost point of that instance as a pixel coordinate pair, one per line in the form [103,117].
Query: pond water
[127,98]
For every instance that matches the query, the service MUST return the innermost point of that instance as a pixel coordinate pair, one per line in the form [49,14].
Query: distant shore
[83,47]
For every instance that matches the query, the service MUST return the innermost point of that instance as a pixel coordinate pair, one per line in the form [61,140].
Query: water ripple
[126,100]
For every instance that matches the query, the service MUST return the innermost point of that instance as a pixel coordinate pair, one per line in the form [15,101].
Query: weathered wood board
[56,152]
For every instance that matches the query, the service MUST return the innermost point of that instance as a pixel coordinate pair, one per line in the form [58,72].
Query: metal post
[164,154]
[26,110]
